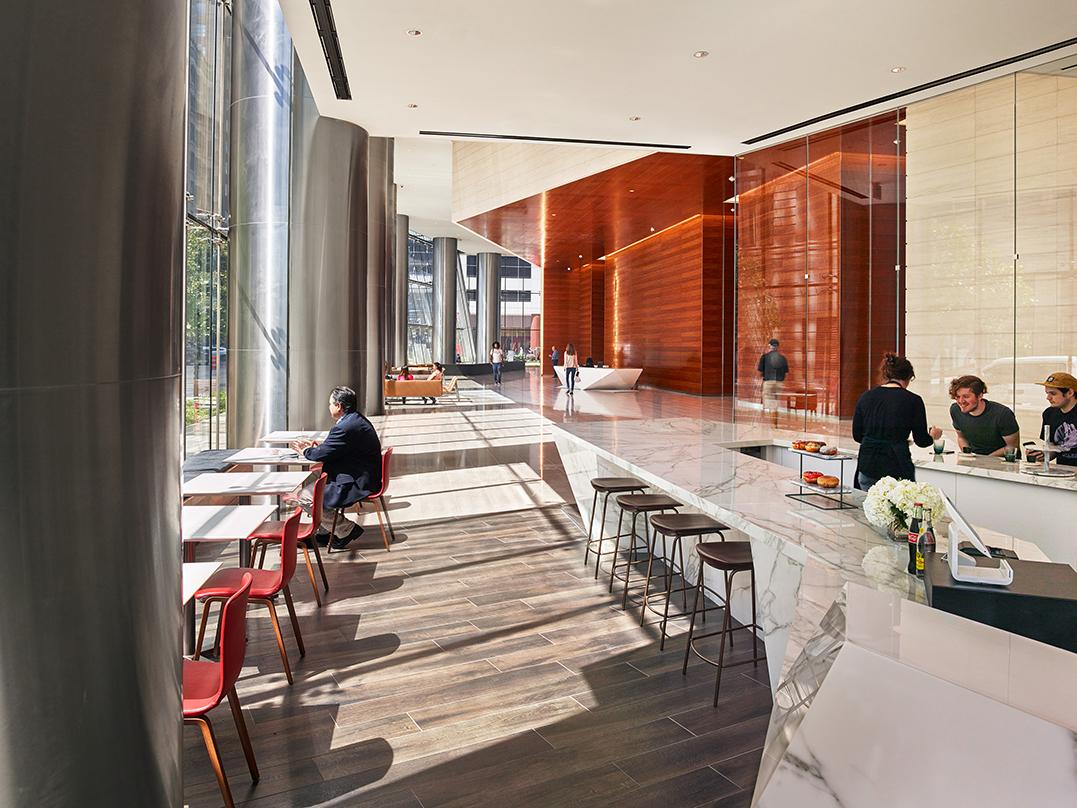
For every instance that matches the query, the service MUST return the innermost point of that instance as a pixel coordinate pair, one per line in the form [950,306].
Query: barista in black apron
[885,417]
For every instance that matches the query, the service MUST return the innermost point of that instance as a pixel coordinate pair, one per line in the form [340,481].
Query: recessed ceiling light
[652,229]
[553,214]
[413,106]
[898,69]
[415,32]
[631,190]
[579,256]
[701,54]
[634,118]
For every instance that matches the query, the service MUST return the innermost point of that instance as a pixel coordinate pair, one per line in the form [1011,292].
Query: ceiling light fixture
[579,256]
[701,54]
[631,190]
[898,69]
[413,106]
[634,118]
[415,32]
[652,229]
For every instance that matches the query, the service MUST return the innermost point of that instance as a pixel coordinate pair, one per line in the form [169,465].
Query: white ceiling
[582,68]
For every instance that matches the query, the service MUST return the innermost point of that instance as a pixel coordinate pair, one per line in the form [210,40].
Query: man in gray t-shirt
[983,427]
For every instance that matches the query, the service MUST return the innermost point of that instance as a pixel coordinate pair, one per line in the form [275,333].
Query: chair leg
[214,757]
[262,555]
[201,630]
[721,648]
[241,728]
[388,522]
[310,572]
[280,638]
[628,566]
[590,529]
[332,533]
[616,550]
[295,620]
[692,623]
[321,566]
[381,524]
[652,540]
[755,627]
[602,535]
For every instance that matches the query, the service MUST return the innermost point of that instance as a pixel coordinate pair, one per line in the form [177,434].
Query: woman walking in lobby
[572,367]
[497,356]
[884,417]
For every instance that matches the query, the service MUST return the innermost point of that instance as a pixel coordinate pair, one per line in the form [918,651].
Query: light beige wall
[488,175]
[991,239]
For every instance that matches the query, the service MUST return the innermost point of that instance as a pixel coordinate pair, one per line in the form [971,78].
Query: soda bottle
[925,543]
[914,534]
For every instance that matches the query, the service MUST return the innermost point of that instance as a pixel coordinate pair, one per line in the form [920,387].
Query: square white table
[222,522]
[287,436]
[195,574]
[245,484]
[269,456]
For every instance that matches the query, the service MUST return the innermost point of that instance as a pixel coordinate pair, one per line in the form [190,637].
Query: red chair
[378,499]
[267,584]
[273,533]
[206,684]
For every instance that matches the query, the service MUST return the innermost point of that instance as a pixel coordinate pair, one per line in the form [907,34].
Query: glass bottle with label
[914,534]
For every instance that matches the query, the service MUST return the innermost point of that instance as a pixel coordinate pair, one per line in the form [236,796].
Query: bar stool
[606,486]
[676,526]
[636,504]
[729,557]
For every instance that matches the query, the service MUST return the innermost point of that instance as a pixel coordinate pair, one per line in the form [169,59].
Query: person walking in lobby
[774,368]
[1060,417]
[882,421]
[572,367]
[351,457]
[983,427]
[497,358]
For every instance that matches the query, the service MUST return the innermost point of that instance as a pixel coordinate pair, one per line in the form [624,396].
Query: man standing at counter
[983,427]
[1061,418]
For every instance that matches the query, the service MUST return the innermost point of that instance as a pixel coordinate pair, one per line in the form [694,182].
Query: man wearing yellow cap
[1060,417]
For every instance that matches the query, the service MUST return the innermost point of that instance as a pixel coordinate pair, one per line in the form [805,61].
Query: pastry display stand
[826,499]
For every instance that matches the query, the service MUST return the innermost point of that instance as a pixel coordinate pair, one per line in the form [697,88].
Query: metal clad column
[328,247]
[399,355]
[258,276]
[445,300]
[489,286]
[379,258]
[91,325]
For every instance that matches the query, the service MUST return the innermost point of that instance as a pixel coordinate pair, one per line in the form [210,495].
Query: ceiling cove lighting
[543,139]
[327,35]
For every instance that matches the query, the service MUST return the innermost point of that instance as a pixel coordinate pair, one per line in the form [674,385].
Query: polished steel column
[91,327]
[388,325]
[258,270]
[379,257]
[489,309]
[399,355]
[328,248]
[445,300]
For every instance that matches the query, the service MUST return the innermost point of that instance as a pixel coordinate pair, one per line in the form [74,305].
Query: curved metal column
[399,355]
[489,287]
[445,300]
[379,219]
[91,323]
[328,248]
[258,272]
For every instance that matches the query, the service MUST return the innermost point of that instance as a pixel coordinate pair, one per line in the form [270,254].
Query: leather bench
[417,388]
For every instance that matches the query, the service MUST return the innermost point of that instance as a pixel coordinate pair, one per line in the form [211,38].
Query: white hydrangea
[890,501]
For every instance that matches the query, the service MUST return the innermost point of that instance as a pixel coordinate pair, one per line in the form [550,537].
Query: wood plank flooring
[479,664]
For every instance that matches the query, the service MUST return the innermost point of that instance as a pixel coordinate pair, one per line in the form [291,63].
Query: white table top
[269,456]
[222,522]
[245,483]
[287,436]
[195,574]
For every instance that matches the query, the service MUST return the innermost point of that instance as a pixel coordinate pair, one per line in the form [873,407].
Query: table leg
[188,628]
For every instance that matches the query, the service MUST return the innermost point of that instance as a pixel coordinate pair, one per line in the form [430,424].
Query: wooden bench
[417,388]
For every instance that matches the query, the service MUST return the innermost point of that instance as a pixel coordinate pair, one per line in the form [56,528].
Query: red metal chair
[206,684]
[378,500]
[273,533]
[267,584]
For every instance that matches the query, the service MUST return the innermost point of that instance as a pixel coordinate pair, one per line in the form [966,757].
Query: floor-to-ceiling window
[420,299]
[206,274]
[521,305]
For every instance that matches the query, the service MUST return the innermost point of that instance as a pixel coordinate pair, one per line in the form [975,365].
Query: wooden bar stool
[636,504]
[606,486]
[730,557]
[676,526]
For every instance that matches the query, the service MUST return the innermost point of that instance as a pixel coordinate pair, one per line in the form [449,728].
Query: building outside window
[420,300]
[206,217]
[521,305]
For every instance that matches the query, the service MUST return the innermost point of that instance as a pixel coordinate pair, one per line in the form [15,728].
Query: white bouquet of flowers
[889,503]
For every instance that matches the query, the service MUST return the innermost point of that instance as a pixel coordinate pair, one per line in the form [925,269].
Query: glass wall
[207,220]
[521,305]
[992,240]
[420,300]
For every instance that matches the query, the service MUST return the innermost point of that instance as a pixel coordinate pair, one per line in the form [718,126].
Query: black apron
[884,458]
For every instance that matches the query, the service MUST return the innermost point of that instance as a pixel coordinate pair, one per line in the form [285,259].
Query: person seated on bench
[437,376]
[590,363]
[404,375]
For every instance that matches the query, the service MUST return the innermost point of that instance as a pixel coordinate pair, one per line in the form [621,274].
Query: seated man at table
[351,457]
[1060,418]
[983,427]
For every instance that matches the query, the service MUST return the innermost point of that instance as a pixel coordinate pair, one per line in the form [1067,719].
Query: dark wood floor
[479,664]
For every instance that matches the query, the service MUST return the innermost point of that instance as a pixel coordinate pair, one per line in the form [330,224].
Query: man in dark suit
[351,457]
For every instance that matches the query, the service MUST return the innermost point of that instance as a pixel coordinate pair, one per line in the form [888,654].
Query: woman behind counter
[884,417]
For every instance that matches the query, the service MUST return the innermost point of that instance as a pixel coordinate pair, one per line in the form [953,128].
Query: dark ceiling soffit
[912,90]
[327,35]
[536,139]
